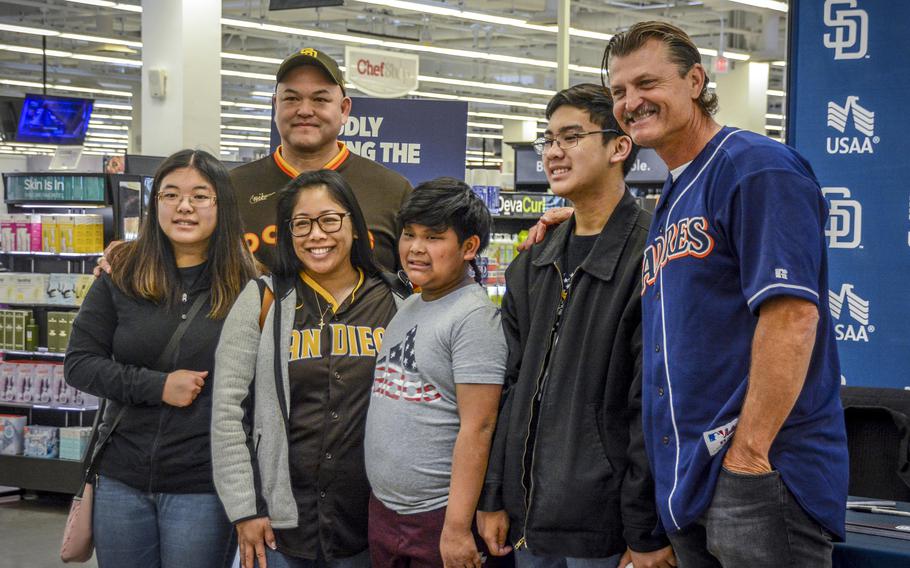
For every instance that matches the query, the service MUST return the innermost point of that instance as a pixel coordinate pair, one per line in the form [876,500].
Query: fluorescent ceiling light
[248,75]
[245,128]
[774,116]
[107,135]
[480,100]
[267,94]
[776,128]
[483,85]
[489,125]
[246,105]
[70,88]
[111,116]
[506,116]
[779,63]
[248,144]
[245,137]
[106,126]
[246,116]
[106,4]
[776,93]
[406,46]
[490,136]
[481,17]
[253,58]
[28,30]
[769,4]
[113,106]
[480,153]
[735,55]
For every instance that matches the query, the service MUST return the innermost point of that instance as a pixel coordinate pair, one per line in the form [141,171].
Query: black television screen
[53,120]
[10,109]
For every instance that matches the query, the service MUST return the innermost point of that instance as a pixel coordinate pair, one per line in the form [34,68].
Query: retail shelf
[31,305]
[41,474]
[53,254]
[33,354]
[48,406]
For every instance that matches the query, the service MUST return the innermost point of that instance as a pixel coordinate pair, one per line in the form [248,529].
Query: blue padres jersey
[743,223]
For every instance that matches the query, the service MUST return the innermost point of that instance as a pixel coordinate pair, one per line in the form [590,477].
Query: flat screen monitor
[47,119]
[10,110]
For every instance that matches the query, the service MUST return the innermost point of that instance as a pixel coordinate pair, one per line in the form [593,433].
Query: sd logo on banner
[848,78]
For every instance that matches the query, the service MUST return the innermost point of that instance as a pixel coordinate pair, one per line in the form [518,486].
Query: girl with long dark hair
[155,501]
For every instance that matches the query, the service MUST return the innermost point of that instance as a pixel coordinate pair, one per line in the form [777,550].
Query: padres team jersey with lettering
[330,371]
[742,224]
[379,191]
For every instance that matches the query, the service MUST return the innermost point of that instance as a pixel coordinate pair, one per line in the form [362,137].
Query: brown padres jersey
[379,191]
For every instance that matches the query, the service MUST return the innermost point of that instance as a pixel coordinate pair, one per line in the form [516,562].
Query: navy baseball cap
[310,56]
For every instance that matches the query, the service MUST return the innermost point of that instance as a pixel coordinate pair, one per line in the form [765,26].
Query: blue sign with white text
[419,139]
[848,77]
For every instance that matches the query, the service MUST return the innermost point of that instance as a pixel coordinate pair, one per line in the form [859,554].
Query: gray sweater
[248,465]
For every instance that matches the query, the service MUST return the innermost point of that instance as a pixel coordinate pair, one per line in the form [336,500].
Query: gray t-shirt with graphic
[413,421]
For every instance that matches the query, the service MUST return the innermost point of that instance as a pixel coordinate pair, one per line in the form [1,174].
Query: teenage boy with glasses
[568,482]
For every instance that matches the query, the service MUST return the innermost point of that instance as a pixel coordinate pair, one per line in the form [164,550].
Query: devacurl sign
[380,73]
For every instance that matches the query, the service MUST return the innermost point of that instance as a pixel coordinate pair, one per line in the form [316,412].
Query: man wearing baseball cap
[311,105]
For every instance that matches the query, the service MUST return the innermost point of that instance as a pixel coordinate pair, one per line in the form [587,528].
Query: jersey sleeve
[479,348]
[776,222]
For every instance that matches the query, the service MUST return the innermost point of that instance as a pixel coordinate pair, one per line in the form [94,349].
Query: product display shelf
[34,473]
[74,255]
[38,355]
[41,474]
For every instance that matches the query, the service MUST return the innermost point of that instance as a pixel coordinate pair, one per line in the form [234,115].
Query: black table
[873,551]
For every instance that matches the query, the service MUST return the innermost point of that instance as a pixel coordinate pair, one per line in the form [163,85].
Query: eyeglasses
[566,141]
[328,223]
[197,200]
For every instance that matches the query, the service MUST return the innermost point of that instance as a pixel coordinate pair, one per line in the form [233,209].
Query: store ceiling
[741,28]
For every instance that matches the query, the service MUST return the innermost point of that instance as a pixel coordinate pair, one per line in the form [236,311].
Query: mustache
[631,116]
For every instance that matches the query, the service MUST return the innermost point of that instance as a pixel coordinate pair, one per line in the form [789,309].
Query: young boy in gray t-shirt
[437,385]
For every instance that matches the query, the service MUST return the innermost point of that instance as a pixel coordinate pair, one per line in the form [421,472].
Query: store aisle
[30,532]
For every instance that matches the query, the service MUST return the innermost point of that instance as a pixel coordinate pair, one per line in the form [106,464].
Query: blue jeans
[275,559]
[167,530]
[524,559]
[753,521]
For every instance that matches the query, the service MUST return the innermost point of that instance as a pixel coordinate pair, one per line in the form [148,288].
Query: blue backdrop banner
[848,82]
[419,139]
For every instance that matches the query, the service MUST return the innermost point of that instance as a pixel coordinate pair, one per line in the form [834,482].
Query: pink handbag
[78,544]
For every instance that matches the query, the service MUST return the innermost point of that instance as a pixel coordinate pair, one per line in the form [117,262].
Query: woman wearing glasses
[155,501]
[294,374]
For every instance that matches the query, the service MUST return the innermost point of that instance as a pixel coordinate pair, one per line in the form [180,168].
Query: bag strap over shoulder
[266,298]
[96,445]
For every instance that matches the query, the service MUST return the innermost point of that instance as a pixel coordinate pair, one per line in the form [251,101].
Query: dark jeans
[753,521]
[136,528]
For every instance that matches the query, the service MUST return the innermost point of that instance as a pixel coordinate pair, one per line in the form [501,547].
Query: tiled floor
[30,532]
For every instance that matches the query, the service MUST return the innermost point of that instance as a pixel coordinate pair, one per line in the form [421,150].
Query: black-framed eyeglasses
[566,141]
[328,223]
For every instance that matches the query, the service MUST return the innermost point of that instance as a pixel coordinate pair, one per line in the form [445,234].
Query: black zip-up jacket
[588,492]
[116,340]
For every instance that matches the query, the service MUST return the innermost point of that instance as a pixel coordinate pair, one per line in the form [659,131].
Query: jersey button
[328,456]
[657,348]
[334,415]
[660,391]
[322,494]
[337,376]
[666,440]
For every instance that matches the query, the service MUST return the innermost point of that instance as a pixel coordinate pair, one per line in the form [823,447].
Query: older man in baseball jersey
[742,419]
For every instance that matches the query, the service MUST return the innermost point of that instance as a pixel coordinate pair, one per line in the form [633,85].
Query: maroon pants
[412,541]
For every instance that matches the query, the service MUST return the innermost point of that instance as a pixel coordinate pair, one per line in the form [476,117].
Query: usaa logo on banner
[849,29]
[850,313]
[859,120]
